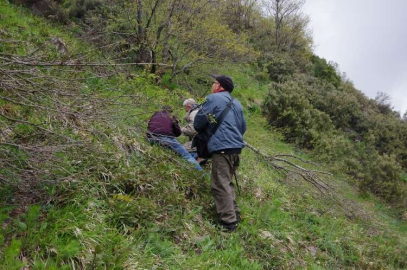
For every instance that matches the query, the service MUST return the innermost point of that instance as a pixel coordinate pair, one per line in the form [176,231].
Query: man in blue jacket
[224,146]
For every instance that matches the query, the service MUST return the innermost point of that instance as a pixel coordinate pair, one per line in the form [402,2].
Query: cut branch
[64,64]
[285,167]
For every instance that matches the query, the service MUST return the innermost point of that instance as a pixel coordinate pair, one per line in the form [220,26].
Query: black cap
[224,81]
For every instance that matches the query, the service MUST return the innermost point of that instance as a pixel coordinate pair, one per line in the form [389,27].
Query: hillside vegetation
[312,102]
[82,189]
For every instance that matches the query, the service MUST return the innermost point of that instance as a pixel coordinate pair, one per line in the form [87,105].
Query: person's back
[224,146]
[189,130]
[161,123]
[230,133]
[163,128]
[191,108]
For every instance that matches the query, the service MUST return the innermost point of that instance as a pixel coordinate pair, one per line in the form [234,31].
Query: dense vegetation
[345,129]
[82,189]
[315,106]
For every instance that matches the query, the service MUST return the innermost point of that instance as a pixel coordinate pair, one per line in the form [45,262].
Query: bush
[383,177]
[47,8]
[326,71]
[287,108]
[307,115]
[79,8]
[279,66]
[61,11]
[343,109]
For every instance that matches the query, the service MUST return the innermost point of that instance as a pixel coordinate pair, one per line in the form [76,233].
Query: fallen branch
[70,64]
[285,167]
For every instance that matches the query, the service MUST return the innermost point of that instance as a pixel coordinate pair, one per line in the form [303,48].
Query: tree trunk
[143,53]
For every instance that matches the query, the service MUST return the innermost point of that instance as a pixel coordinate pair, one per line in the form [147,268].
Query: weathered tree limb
[70,64]
[289,167]
[301,159]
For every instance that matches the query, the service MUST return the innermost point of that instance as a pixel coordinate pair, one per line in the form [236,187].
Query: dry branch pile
[287,167]
[283,165]
[47,111]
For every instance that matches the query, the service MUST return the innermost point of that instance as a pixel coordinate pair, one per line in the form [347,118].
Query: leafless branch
[289,167]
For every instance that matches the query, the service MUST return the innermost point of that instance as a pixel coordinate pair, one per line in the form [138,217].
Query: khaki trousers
[223,191]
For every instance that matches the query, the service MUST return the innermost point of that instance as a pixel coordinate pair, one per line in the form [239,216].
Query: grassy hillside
[82,189]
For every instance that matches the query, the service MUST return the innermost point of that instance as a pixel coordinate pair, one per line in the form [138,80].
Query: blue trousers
[175,146]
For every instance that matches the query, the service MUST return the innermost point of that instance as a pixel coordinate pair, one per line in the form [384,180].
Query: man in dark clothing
[225,147]
[163,128]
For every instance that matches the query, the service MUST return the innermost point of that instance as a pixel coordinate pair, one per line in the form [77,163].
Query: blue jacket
[230,133]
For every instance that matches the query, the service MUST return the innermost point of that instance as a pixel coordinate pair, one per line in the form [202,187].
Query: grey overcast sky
[368,40]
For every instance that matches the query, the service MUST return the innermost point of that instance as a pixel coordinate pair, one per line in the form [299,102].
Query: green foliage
[404,177]
[115,202]
[170,34]
[317,115]
[382,176]
[81,8]
[325,71]
[280,67]
[287,107]
[130,213]
[62,11]
[47,8]
[387,134]
[11,253]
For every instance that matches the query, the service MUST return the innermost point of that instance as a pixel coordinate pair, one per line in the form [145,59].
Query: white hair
[189,102]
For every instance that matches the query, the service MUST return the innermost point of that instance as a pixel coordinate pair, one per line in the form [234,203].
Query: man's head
[188,104]
[222,83]
[167,108]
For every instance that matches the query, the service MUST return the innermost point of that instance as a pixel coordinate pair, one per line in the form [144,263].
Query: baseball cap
[224,81]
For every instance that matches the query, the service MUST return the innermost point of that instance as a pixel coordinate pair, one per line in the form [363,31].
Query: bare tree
[241,13]
[383,102]
[286,13]
[144,21]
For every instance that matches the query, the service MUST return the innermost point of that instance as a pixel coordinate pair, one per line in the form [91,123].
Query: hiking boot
[238,217]
[203,162]
[228,227]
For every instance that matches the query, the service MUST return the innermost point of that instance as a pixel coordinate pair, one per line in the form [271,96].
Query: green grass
[147,209]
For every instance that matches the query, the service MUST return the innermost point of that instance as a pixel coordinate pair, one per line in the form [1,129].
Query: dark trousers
[223,191]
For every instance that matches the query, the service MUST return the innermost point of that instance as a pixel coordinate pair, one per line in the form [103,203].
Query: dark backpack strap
[222,116]
[197,106]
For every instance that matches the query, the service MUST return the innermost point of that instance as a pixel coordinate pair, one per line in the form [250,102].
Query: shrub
[287,108]
[326,71]
[79,8]
[342,108]
[307,115]
[47,8]
[61,10]
[383,177]
[279,66]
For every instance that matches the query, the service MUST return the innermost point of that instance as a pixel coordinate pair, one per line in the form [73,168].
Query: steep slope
[82,189]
